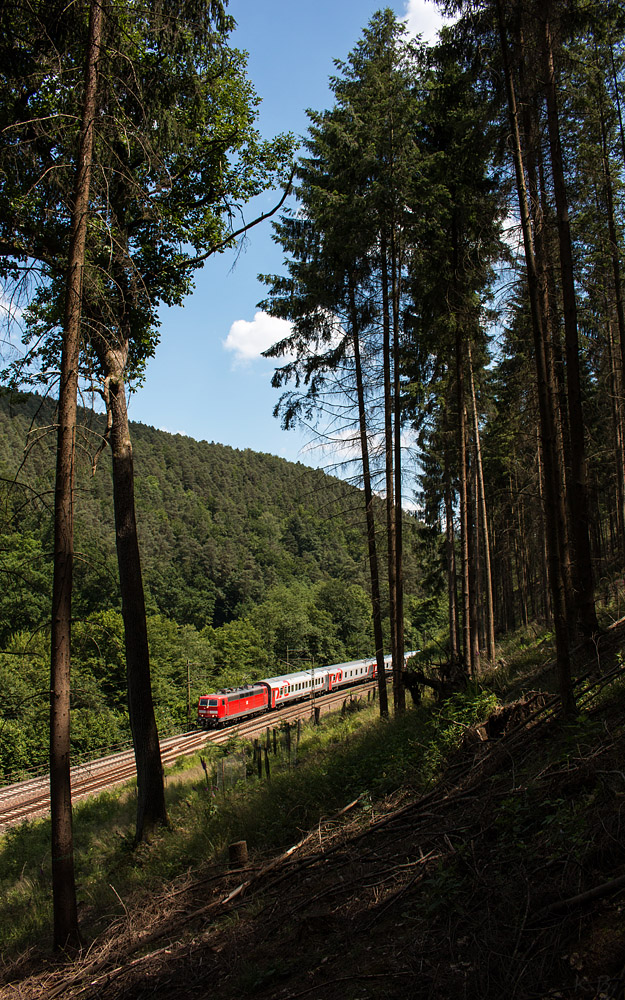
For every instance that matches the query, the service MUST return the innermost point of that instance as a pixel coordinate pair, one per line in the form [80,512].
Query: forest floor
[506,879]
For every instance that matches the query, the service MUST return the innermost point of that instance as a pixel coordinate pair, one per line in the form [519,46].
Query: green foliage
[25,583]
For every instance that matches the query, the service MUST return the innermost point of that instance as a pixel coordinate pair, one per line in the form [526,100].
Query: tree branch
[239,232]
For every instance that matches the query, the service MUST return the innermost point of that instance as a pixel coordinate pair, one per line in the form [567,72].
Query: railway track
[31,799]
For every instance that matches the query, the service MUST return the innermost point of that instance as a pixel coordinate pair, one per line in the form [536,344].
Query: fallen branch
[597,892]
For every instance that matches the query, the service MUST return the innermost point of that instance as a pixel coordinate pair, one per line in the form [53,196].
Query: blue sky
[207,379]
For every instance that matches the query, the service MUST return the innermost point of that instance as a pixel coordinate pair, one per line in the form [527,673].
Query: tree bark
[616,370]
[151,807]
[398,682]
[579,493]
[450,548]
[370,517]
[388,465]
[488,576]
[65,914]
[553,349]
[464,504]
[547,420]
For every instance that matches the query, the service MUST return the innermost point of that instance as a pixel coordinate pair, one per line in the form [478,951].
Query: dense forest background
[249,562]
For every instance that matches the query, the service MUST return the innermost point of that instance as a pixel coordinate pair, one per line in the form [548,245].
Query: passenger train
[224,708]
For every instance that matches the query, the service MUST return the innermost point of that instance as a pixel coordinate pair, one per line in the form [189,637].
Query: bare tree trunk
[66,932]
[547,597]
[520,548]
[578,487]
[616,370]
[473,568]
[547,420]
[464,502]
[370,517]
[614,243]
[452,593]
[616,397]
[617,99]
[399,690]
[151,808]
[553,353]
[488,582]
[388,465]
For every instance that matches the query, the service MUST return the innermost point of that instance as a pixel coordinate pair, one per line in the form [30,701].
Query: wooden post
[317,714]
[203,763]
[275,742]
[267,768]
[237,853]
[188,694]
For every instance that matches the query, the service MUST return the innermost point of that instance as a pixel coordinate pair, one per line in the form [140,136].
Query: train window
[212,703]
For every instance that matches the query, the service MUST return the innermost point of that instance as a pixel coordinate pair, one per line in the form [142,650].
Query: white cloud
[248,340]
[512,233]
[423,18]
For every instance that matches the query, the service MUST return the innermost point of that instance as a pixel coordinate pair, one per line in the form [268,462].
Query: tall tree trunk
[450,549]
[544,553]
[616,369]
[520,548]
[370,515]
[553,353]
[473,553]
[617,99]
[614,243]
[151,808]
[388,466]
[547,420]
[488,581]
[398,687]
[578,487]
[618,430]
[464,503]
[66,931]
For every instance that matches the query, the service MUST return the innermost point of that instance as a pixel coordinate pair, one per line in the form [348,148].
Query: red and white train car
[226,707]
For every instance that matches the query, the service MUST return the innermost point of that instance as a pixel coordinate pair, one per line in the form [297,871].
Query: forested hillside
[248,561]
